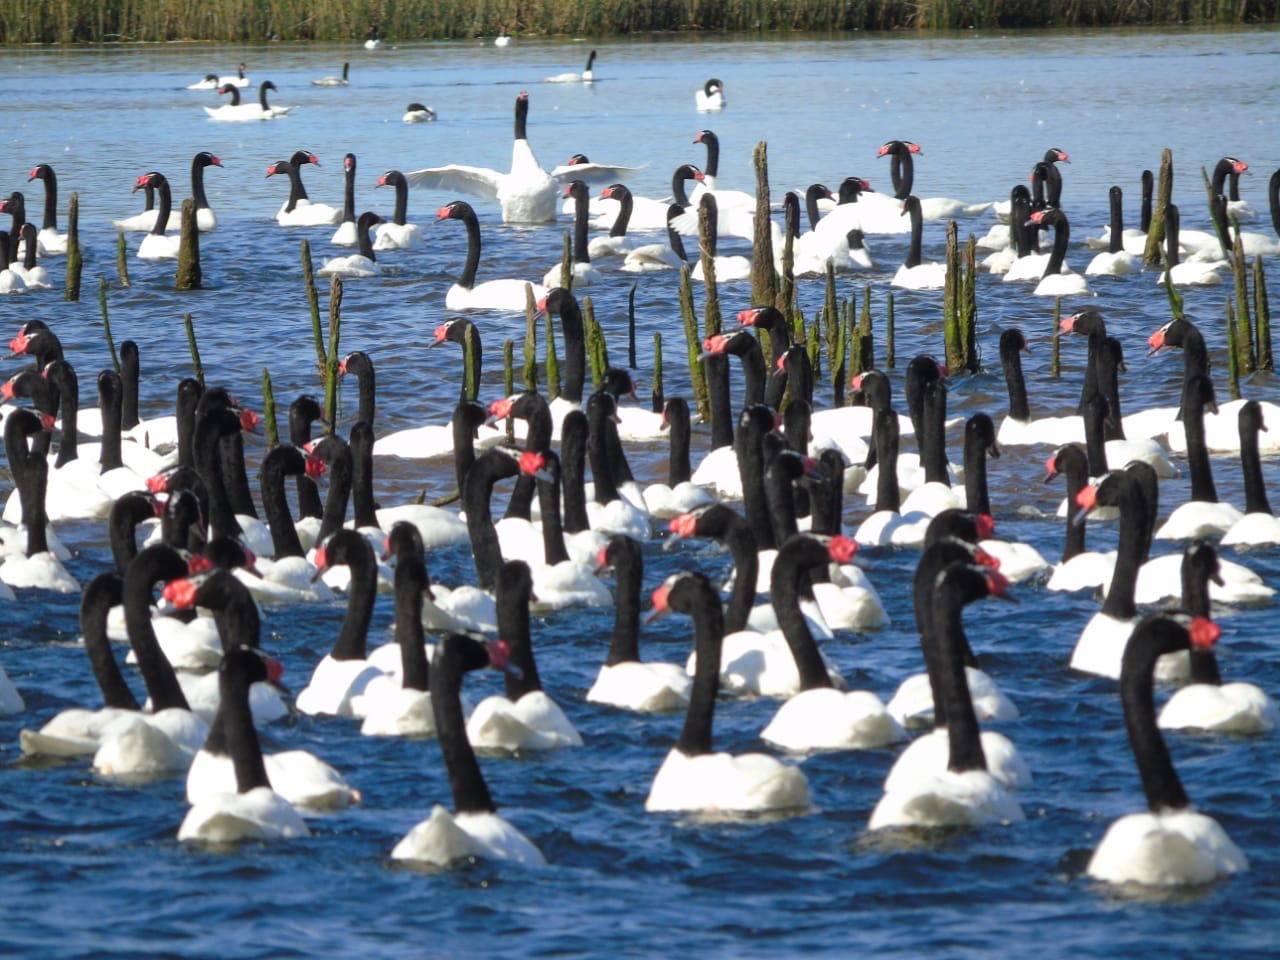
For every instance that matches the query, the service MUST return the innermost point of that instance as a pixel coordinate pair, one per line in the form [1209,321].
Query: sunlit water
[91,868]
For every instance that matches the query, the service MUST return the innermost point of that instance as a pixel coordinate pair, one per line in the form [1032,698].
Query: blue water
[90,867]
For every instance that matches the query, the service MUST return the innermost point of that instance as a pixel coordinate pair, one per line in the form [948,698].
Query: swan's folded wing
[476,181]
[591,173]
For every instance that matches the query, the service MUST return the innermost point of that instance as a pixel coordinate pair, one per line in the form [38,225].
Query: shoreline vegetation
[238,21]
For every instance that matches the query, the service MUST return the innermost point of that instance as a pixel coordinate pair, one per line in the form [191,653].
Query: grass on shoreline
[238,21]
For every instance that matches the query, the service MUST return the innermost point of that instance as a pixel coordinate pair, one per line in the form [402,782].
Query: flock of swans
[183,484]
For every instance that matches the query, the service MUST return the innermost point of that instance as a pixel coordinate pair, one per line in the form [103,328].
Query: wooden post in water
[969,305]
[693,346]
[122,260]
[529,373]
[631,325]
[890,358]
[597,349]
[331,357]
[953,346]
[269,410]
[189,324]
[189,275]
[509,380]
[1055,341]
[659,400]
[1233,353]
[1244,323]
[764,282]
[866,340]
[711,320]
[106,324]
[313,305]
[1262,327]
[74,262]
[1164,196]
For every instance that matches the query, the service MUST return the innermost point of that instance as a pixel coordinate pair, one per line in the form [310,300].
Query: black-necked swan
[345,235]
[507,293]
[1117,260]
[399,703]
[819,717]
[26,438]
[1058,280]
[299,210]
[527,192]
[77,731]
[1207,703]
[234,111]
[156,245]
[34,275]
[301,778]
[371,40]
[473,829]
[965,793]
[51,241]
[253,811]
[710,97]
[360,264]
[268,111]
[624,681]
[586,76]
[418,113]
[525,717]
[915,273]
[693,777]
[345,671]
[1169,844]
[1258,526]
[581,273]
[166,739]
[396,233]
[334,81]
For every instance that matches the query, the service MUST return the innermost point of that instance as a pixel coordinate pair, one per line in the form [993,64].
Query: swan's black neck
[1095,412]
[1061,237]
[349,188]
[1151,639]
[410,583]
[911,206]
[679,469]
[791,570]
[166,205]
[565,306]
[198,163]
[126,513]
[103,592]
[1120,489]
[155,563]
[512,594]
[209,430]
[351,548]
[573,456]
[963,734]
[235,475]
[130,374]
[553,548]
[1011,344]
[626,204]
[477,489]
[933,450]
[280,462]
[1255,490]
[362,503]
[1148,188]
[533,409]
[111,402]
[63,378]
[468,415]
[1117,220]
[979,439]
[336,454]
[716,368]
[456,655]
[600,410]
[755,422]
[888,496]
[697,598]
[1196,394]
[45,173]
[1073,463]
[628,570]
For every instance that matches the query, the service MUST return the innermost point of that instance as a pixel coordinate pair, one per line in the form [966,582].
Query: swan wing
[476,181]
[591,173]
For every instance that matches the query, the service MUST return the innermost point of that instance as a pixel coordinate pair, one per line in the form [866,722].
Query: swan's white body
[445,838]
[300,778]
[642,687]
[332,686]
[260,814]
[830,719]
[1165,849]
[928,755]
[720,783]
[1230,708]
[947,799]
[145,745]
[912,703]
[534,722]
